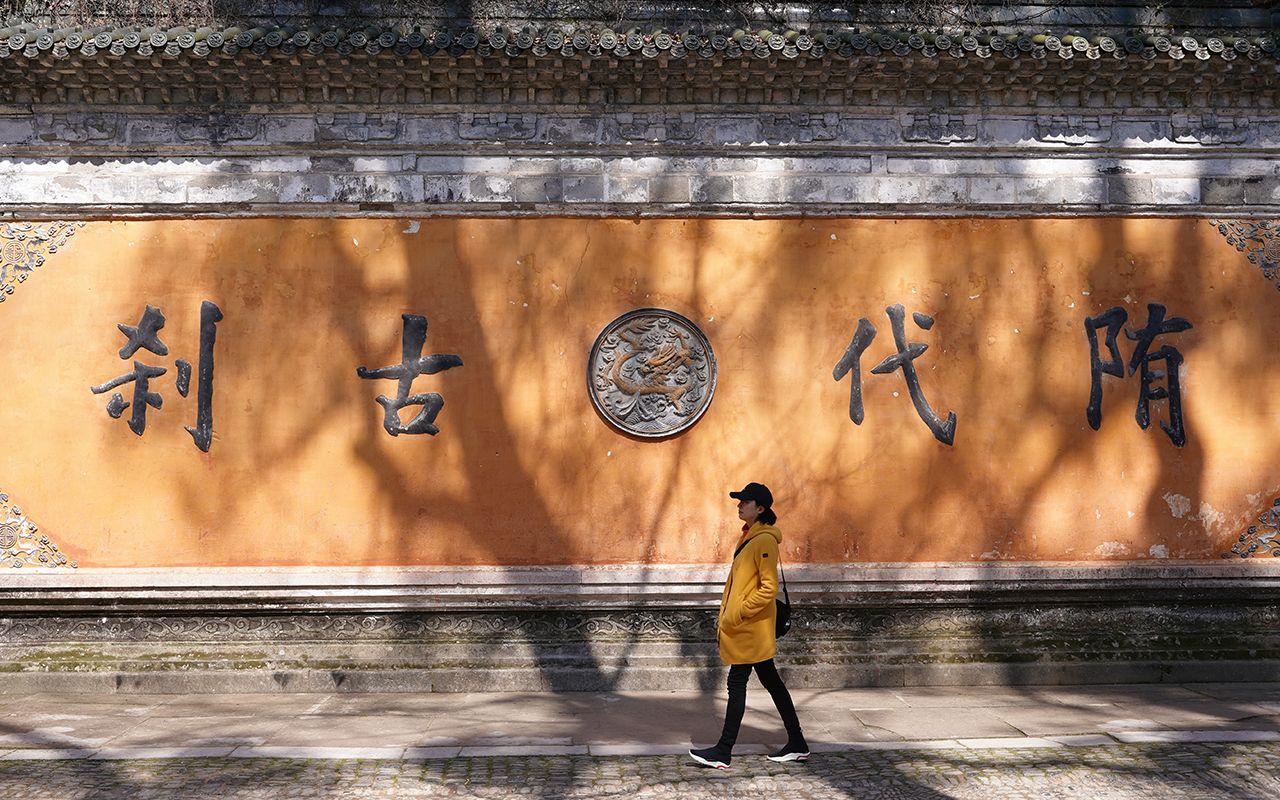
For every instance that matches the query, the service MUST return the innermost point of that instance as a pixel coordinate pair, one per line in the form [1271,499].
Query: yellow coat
[747,610]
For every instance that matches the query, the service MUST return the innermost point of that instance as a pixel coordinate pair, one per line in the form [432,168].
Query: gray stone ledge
[732,184]
[92,211]
[888,162]
[543,157]
[581,587]
[690,678]
[520,151]
[860,572]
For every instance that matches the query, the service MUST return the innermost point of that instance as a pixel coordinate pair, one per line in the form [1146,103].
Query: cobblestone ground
[1167,772]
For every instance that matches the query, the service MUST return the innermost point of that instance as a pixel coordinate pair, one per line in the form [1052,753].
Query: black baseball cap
[755,491]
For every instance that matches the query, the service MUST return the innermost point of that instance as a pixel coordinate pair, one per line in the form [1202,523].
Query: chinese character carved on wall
[412,364]
[903,360]
[146,336]
[1155,365]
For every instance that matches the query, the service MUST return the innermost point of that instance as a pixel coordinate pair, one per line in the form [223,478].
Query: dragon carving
[652,372]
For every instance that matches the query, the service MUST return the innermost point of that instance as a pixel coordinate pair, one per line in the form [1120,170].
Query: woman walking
[746,628]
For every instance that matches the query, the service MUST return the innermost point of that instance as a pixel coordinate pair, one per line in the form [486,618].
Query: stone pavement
[1131,772]
[1166,741]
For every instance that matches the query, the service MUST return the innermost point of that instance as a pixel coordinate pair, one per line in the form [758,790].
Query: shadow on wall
[517,475]
[524,466]
[354,311]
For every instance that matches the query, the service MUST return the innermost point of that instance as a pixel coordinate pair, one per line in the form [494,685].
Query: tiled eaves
[31,42]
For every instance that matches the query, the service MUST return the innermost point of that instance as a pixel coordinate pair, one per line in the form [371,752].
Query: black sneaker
[792,752]
[712,757]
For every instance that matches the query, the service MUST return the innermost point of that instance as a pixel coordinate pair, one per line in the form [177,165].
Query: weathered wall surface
[524,471]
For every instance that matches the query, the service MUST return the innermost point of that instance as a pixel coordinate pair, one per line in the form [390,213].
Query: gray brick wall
[669,162]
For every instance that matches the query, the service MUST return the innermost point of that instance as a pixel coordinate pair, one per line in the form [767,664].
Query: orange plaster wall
[525,472]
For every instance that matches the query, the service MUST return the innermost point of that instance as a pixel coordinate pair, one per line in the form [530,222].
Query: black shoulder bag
[783,621]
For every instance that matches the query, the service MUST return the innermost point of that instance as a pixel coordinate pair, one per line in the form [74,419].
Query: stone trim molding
[450,131]
[584,587]
[774,185]
[642,162]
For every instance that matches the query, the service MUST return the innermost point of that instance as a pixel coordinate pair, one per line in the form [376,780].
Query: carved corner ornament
[21,542]
[1261,539]
[1259,240]
[24,247]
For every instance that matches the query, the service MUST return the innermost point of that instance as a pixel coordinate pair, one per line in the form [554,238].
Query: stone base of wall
[1019,625]
[638,679]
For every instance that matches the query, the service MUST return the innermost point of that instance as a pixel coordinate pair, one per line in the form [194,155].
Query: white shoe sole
[791,757]
[707,762]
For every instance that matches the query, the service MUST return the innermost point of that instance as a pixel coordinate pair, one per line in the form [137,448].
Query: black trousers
[769,677]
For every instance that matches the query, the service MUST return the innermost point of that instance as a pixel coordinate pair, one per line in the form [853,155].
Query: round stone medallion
[1271,250]
[8,536]
[651,373]
[13,253]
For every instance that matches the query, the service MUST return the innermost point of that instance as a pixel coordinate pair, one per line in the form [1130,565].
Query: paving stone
[1188,714]
[77,702]
[523,750]
[1007,743]
[1256,692]
[1119,694]
[851,699]
[64,730]
[925,744]
[844,726]
[939,723]
[1084,740]
[1120,725]
[205,705]
[965,697]
[420,753]
[327,753]
[1198,736]
[380,704]
[637,749]
[1040,719]
[230,729]
[141,753]
[352,731]
[47,754]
